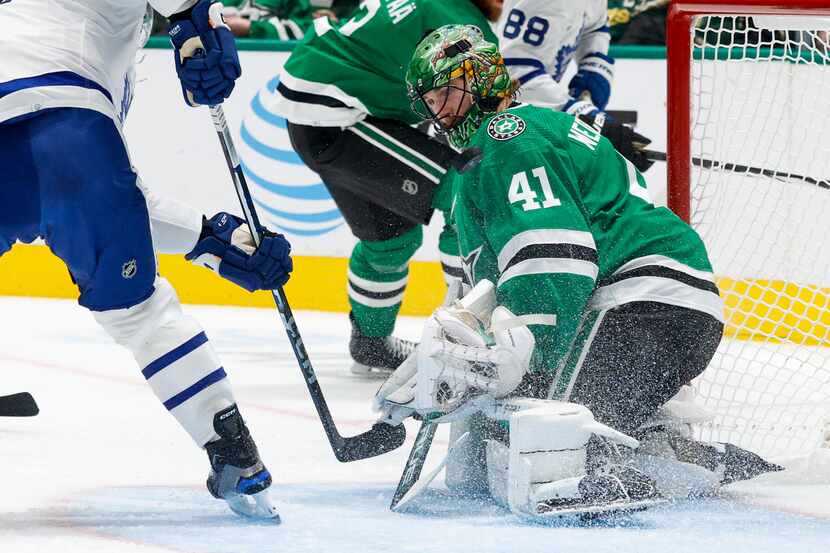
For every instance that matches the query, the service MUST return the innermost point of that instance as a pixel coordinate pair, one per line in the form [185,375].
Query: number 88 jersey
[539,38]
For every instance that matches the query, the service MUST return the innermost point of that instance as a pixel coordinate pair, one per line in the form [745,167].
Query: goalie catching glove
[227,248]
[467,350]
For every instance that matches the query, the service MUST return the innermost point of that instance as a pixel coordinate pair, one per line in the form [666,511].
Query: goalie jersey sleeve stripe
[581,240]
[551,267]
[567,251]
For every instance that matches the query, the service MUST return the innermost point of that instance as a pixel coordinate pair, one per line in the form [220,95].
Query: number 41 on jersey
[521,191]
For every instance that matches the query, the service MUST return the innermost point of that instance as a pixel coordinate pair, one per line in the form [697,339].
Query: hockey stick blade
[381,438]
[18,405]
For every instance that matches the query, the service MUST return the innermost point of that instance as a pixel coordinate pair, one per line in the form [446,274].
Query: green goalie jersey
[341,72]
[562,223]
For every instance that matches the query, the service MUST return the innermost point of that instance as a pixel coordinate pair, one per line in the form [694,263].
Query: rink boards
[187,165]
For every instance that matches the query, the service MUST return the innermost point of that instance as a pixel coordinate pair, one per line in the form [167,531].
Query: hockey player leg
[627,361]
[94,217]
[378,272]
[186,375]
[560,461]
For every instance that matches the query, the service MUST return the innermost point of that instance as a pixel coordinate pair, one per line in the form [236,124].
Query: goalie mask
[455,78]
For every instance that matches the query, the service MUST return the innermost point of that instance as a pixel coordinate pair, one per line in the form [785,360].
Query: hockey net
[749,168]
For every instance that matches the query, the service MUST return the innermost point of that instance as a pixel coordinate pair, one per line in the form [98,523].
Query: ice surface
[104,468]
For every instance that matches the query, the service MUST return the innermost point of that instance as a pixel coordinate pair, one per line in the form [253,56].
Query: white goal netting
[760,198]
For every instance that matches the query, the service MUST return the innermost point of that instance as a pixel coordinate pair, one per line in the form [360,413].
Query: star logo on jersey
[506,126]
[468,263]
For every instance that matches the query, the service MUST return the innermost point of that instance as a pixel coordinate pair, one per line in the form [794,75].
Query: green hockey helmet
[445,55]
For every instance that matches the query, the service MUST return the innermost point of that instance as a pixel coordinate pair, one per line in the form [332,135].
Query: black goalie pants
[627,361]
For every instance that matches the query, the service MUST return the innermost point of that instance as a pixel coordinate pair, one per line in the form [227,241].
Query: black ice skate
[376,356]
[613,489]
[237,474]
[729,462]
[609,488]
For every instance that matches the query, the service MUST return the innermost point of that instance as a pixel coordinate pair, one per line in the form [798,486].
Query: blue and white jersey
[60,53]
[539,38]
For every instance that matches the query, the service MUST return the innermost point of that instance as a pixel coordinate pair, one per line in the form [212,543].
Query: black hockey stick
[415,462]
[654,155]
[18,405]
[382,437]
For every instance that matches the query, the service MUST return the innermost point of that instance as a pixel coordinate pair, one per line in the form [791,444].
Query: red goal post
[748,167]
[679,59]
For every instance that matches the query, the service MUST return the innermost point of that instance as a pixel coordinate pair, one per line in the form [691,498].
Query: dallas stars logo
[468,264]
[505,126]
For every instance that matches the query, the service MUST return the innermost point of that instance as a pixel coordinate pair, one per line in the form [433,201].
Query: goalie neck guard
[444,56]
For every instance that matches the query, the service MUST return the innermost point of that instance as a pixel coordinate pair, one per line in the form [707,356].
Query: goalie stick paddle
[18,405]
[654,155]
[415,462]
[379,439]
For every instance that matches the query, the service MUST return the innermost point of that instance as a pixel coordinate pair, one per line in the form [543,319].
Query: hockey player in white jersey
[540,38]
[67,178]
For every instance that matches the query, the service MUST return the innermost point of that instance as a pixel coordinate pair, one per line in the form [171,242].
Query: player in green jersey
[274,19]
[584,292]
[344,96]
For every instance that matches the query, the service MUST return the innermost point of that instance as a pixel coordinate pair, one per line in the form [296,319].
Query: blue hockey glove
[594,76]
[227,248]
[205,54]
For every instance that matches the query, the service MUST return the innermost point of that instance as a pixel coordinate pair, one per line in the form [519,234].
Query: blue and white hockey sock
[175,357]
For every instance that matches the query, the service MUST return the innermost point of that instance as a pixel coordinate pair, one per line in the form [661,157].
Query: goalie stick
[654,155]
[379,439]
[415,462]
[18,405]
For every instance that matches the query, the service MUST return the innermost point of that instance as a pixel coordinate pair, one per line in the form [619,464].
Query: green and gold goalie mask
[455,78]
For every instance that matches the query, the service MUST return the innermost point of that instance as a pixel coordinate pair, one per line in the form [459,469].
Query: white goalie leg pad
[175,357]
[547,455]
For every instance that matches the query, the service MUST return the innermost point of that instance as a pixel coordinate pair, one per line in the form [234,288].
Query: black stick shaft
[738,168]
[248,208]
